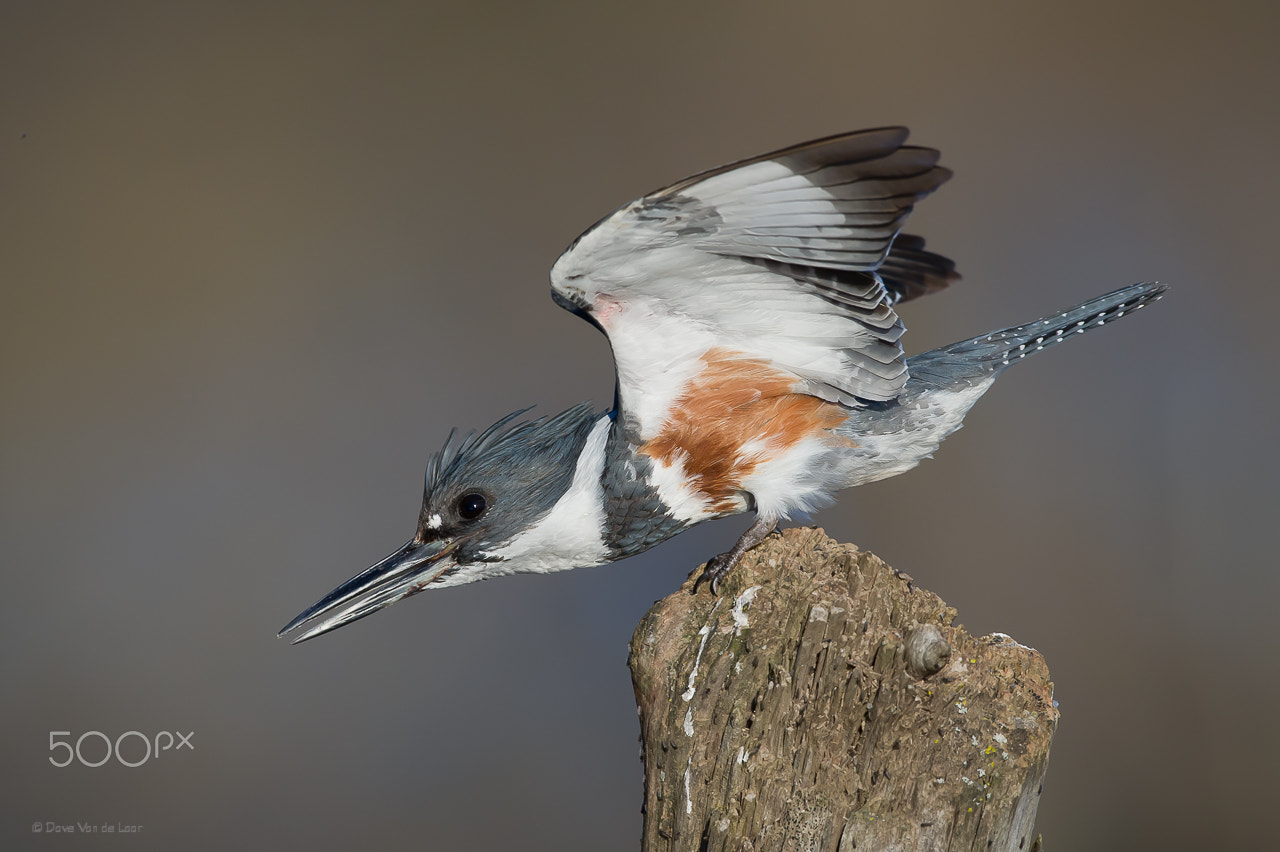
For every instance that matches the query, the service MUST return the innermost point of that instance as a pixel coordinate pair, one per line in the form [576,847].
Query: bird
[752,312]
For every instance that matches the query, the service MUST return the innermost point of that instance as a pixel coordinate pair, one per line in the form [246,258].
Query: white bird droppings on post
[705,632]
[1006,639]
[740,603]
[688,797]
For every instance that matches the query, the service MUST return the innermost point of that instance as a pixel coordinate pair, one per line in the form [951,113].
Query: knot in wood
[927,652]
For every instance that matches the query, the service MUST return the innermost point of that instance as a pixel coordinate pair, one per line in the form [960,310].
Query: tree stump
[823,702]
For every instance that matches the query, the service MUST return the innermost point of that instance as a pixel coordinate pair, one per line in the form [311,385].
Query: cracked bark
[823,702]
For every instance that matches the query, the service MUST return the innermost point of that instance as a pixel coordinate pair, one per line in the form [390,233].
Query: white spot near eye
[434,522]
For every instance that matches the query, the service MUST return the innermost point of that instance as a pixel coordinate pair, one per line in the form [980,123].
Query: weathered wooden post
[823,702]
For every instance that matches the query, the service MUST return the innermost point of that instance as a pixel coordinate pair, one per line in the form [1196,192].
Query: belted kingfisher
[751,310]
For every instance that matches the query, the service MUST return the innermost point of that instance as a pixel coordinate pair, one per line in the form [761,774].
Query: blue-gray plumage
[534,459]
[752,315]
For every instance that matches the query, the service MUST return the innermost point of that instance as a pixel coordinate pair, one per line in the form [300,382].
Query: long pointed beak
[406,572]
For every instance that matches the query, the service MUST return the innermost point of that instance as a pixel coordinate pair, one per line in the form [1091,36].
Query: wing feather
[792,259]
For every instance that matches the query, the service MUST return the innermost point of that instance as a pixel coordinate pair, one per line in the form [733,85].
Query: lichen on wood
[824,702]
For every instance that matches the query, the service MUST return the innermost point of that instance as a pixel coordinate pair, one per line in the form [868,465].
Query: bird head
[482,494]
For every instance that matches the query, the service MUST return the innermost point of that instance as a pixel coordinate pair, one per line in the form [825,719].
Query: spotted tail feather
[992,352]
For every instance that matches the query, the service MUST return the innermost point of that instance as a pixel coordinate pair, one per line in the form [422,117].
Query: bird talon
[716,569]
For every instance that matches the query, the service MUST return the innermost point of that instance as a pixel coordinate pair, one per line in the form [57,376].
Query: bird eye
[471,506]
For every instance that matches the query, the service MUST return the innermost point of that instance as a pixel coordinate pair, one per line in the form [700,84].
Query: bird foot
[717,568]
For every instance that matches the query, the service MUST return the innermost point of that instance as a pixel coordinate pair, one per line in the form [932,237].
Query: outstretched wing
[785,264]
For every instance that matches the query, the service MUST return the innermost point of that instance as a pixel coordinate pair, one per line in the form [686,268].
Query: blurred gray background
[257,259]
